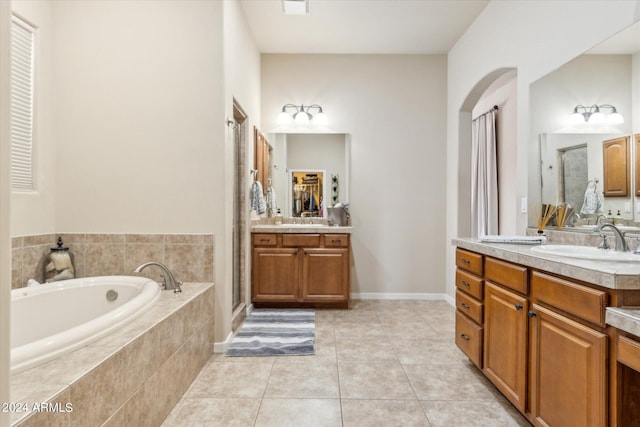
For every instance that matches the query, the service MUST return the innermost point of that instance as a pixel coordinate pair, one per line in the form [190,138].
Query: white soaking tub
[53,319]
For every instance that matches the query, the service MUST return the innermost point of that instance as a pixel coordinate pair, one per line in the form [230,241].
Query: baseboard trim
[221,347]
[401,296]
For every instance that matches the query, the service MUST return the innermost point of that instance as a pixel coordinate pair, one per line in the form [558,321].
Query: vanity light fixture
[295,7]
[301,115]
[604,114]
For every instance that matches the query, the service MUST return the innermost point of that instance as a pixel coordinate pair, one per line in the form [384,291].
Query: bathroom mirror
[296,155]
[564,157]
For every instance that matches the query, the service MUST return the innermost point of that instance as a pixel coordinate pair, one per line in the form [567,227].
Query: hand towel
[257,198]
[272,204]
[592,203]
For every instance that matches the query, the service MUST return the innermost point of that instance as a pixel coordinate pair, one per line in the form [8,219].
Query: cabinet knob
[532,314]
[465,306]
[519,307]
[465,283]
[465,337]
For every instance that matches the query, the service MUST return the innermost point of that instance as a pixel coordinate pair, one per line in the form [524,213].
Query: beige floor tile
[365,351]
[232,379]
[459,381]
[299,413]
[409,330]
[303,378]
[374,381]
[383,413]
[354,331]
[214,412]
[469,414]
[424,351]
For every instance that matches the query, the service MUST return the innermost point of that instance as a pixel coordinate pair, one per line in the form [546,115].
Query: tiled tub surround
[189,256]
[133,377]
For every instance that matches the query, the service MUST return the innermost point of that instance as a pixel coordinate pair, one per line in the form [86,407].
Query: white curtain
[484,176]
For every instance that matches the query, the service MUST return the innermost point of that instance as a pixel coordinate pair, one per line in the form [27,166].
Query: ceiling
[362,26]
[625,42]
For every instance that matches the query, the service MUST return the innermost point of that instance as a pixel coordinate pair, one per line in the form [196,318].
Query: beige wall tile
[105,259]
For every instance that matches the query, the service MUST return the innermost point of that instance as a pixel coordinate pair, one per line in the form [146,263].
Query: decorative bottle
[59,264]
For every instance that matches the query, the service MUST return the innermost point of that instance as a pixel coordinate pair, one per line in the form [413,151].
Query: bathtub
[53,319]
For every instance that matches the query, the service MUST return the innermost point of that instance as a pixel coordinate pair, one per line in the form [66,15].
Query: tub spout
[169,282]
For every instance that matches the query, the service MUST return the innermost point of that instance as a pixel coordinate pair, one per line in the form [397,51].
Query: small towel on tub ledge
[521,240]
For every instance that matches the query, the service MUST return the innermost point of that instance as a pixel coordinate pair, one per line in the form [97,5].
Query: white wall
[392,107]
[139,115]
[534,37]
[33,212]
[242,83]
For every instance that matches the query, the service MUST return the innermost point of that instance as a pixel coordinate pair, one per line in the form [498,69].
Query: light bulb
[301,118]
[284,118]
[597,118]
[615,119]
[320,119]
[576,119]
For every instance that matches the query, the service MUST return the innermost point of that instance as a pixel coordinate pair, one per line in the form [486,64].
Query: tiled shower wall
[189,256]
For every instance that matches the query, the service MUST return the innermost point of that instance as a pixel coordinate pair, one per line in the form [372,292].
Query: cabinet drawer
[336,240]
[470,284]
[263,239]
[469,261]
[584,302]
[629,352]
[506,274]
[470,307]
[469,338]
[296,240]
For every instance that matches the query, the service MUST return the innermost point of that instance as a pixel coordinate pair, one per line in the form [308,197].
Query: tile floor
[380,363]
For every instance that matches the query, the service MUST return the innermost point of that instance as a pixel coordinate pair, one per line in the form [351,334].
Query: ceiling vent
[295,7]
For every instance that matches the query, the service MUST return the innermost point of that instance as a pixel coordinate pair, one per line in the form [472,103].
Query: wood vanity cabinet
[568,353]
[300,269]
[544,341]
[505,329]
[469,304]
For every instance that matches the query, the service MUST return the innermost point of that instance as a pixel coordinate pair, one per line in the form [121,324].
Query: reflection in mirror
[571,164]
[299,154]
[307,192]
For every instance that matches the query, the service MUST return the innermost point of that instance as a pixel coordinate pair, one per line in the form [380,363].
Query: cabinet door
[275,275]
[505,342]
[615,161]
[568,372]
[325,275]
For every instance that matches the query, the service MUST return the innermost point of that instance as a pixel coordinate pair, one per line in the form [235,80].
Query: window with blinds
[22,78]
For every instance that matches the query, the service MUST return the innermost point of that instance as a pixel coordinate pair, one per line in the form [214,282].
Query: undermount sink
[586,252]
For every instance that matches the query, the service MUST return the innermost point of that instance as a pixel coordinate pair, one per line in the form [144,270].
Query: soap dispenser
[59,264]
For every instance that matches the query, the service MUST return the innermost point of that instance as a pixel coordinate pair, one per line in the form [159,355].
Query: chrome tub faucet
[168,281]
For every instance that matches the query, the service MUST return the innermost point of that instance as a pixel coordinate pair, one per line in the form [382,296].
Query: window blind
[22,77]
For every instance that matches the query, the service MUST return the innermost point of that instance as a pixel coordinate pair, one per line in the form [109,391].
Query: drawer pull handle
[336,241]
[465,283]
[465,261]
[532,314]
[519,307]
[264,240]
[465,306]
[465,337]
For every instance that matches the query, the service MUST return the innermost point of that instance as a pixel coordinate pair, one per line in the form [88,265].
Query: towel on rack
[520,240]
[272,204]
[592,203]
[257,198]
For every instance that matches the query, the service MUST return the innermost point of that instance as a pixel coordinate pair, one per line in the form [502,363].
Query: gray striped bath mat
[275,333]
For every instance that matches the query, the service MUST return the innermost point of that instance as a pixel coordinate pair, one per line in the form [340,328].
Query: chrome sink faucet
[621,243]
[169,282]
